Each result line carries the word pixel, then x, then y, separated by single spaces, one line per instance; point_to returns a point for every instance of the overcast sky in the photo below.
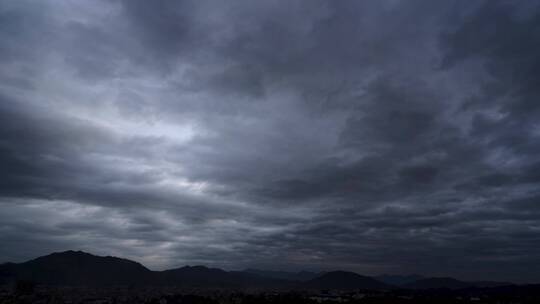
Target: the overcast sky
pixel 373 136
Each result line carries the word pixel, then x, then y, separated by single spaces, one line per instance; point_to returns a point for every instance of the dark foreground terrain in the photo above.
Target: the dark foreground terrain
pixel 25 293
pixel 79 277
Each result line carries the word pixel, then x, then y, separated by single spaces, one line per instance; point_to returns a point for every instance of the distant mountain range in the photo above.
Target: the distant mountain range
pixel 399 280
pixel 344 280
pixel 451 283
pixel 437 283
pixel 285 275
pixel 77 268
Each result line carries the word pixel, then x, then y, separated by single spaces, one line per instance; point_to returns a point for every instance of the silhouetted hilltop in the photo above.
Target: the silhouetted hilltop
pixel 451 283
pixel 438 283
pixel 490 284
pixel 399 280
pixel 201 276
pixel 344 280
pixel 78 268
pixel 284 275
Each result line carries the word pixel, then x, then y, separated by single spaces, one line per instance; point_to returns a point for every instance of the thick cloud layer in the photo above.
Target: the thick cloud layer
pixel 375 136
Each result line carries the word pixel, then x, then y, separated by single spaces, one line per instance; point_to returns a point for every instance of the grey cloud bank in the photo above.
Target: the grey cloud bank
pixel 375 136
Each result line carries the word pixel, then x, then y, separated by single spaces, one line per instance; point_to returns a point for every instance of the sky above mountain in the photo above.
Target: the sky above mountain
pixel 372 136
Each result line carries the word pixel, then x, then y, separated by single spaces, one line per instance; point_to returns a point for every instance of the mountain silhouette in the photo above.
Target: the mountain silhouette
pixel 202 276
pixel 344 280
pixel 78 268
pixel 399 280
pixel 490 284
pixel 284 275
pixel 451 283
pixel 438 283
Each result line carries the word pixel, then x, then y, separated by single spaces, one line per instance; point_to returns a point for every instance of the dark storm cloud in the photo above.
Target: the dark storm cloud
pixel 380 136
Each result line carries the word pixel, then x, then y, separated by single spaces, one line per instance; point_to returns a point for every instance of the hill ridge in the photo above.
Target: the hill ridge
pixel 76 267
